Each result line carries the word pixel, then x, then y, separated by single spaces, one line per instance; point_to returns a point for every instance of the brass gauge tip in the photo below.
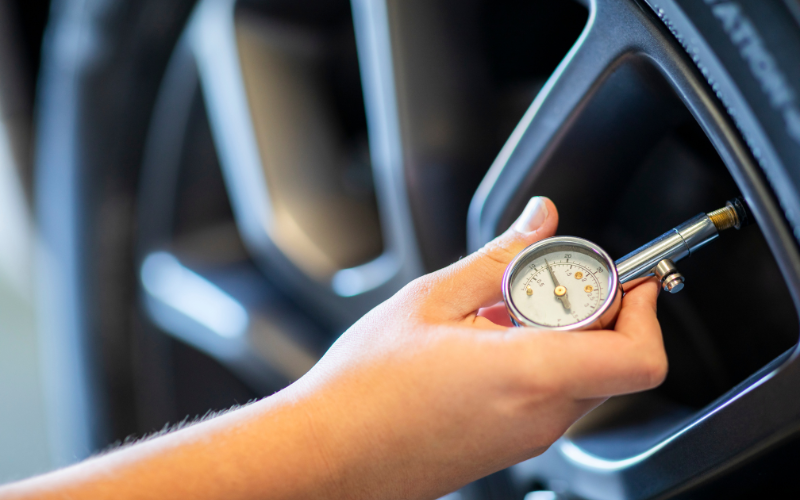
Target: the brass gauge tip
pixel 724 218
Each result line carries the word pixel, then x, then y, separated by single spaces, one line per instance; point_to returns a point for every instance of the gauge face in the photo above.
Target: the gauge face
pixel 560 282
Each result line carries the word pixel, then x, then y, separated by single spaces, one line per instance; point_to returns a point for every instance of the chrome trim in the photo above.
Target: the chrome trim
pixel 74 420
pixel 256 345
pixel 348 293
pixel 373 39
pixel 603 316
pixel 673 245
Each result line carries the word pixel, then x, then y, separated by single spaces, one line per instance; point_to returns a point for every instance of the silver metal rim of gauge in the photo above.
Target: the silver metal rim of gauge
pixel 613 291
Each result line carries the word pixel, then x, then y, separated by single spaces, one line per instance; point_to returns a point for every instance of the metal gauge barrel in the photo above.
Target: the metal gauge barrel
pixel 568 283
pixel 562 283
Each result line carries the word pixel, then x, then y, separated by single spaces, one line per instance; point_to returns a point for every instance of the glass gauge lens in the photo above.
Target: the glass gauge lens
pixel 560 284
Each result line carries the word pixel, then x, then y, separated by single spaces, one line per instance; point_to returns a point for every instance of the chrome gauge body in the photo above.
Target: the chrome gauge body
pixel 568 283
pixel 562 283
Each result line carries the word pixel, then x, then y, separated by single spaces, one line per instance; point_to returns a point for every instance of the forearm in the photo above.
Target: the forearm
pixel 305 442
pixel 266 450
pixel 419 397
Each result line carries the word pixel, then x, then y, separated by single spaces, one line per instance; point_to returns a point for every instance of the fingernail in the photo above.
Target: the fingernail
pixel 532 217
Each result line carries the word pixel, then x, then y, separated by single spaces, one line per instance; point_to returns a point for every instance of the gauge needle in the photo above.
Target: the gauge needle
pixel 561 292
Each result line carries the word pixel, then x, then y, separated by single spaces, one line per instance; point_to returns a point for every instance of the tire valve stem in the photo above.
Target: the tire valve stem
pixel 724 218
pixel 733 214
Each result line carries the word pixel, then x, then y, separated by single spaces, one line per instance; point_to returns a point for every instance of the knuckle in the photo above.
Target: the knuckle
pixel 550 388
pixel 418 289
pixel 544 384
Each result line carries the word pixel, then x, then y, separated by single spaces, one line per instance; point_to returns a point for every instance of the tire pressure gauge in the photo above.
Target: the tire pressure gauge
pixel 568 283
pixel 562 283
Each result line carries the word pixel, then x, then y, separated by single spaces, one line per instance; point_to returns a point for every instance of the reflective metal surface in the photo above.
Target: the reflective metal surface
pixel 604 315
pixel 674 245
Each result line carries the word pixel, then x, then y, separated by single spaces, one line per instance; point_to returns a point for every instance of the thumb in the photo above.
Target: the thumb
pixel 474 282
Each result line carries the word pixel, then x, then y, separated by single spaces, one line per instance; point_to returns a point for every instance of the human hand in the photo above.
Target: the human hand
pixel 432 389
pixel 421 396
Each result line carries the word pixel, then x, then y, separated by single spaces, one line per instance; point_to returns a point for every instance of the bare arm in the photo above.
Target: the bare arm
pixel 422 395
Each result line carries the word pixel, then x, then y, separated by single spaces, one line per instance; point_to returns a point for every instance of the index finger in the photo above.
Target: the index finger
pixel 629 285
pixel 603 363
pixel 631 357
pixel 639 308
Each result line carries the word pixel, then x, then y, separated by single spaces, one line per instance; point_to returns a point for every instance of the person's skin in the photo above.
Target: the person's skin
pixel 421 396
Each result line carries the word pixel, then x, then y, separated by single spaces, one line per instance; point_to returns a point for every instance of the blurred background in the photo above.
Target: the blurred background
pixel 25 444
pixel 197 197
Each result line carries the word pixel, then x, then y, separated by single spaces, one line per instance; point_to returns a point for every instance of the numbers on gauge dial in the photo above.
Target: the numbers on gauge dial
pixel 560 287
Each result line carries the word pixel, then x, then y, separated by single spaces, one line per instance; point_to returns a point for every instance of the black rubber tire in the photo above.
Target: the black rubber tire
pixel 748 50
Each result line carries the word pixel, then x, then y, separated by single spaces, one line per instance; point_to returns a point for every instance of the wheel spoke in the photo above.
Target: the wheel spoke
pixel 256 337
pixel 596 108
pixel 278 172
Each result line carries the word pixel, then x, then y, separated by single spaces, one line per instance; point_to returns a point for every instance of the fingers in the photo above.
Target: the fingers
pixel 634 283
pixel 497 314
pixel 638 311
pixel 589 364
pixel 604 363
pixel 474 282
pixel 631 358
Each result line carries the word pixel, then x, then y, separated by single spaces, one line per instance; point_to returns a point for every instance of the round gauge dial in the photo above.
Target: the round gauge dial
pixel 559 283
